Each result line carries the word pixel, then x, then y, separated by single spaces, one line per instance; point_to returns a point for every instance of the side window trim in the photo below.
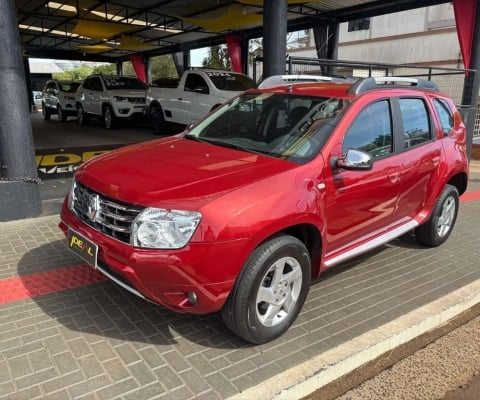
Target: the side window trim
pixel 399 133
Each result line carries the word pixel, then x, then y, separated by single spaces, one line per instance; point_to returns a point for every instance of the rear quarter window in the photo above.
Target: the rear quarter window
pixel 445 116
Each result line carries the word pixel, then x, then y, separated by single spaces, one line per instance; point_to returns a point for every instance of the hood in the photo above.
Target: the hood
pixel 128 92
pixel 175 172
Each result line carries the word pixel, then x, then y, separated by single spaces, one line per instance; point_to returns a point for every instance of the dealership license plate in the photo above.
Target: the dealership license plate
pixel 83 247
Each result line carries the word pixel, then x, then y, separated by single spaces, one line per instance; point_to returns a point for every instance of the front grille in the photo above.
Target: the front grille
pixel 105 215
pixel 137 100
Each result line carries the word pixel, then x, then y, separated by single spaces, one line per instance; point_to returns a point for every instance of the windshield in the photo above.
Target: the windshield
pixel 123 82
pixel 69 87
pixel 280 125
pixel 230 81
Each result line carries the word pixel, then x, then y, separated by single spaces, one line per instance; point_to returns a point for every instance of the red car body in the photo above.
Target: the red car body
pixel 245 198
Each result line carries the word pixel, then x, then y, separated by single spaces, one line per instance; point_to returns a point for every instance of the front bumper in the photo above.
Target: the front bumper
pixel 168 277
pixel 125 109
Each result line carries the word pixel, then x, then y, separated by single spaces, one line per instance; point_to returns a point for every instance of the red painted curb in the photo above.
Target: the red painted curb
pixel 33 285
pixel 470 196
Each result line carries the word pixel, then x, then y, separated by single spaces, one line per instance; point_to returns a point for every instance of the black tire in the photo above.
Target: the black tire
pixel 269 291
pixel 82 117
pixel 108 117
pixel 157 119
pixel 45 112
pixel 62 116
pixel 437 229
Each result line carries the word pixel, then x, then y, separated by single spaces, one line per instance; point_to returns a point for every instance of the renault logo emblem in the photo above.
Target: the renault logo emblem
pixel 93 207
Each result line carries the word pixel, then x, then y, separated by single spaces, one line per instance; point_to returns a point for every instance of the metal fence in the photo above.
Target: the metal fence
pixel 457 83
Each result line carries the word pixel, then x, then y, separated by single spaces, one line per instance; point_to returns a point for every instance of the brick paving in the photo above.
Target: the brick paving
pixel 96 341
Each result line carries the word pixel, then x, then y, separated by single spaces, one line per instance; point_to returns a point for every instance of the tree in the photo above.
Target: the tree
pixel 106 69
pixel 217 58
pixel 163 67
pixel 76 74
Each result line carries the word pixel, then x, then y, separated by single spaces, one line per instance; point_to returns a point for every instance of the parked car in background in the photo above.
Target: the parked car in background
pixel 110 97
pixel 238 213
pixel 194 95
pixel 59 98
pixel 37 99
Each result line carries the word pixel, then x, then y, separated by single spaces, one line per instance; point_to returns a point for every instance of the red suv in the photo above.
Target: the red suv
pixel 240 212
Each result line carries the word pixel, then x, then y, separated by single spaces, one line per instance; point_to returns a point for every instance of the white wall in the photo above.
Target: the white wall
pixel 423 35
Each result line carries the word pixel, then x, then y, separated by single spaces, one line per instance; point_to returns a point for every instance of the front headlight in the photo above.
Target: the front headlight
pixel 164 229
pixel 71 195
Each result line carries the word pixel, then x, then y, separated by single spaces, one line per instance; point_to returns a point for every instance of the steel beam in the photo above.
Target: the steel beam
pixel 274 37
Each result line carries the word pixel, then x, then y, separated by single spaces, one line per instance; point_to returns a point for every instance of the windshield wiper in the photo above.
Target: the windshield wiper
pixel 226 144
pixel 241 148
pixel 196 138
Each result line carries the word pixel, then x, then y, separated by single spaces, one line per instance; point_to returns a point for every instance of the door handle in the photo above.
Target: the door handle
pixel 395 177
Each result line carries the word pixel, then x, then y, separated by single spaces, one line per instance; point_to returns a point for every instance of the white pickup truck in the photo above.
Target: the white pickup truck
pixel 187 100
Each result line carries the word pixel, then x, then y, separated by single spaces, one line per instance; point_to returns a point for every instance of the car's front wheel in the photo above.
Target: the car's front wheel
pixel 62 116
pixel 45 112
pixel 440 224
pixel 82 117
pixel 270 290
pixel 156 117
pixel 108 117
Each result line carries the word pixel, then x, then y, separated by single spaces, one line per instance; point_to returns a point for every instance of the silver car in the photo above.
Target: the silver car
pixel 59 99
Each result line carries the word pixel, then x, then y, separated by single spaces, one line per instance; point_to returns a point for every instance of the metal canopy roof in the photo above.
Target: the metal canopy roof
pixel 112 30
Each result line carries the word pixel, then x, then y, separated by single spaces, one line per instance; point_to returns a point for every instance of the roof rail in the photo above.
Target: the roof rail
pixel 370 83
pixel 277 80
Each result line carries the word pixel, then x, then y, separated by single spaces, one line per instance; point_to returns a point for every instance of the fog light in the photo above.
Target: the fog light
pixel 192 297
pixel 123 110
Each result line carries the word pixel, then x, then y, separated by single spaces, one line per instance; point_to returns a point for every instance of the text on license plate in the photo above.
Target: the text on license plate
pixel 83 247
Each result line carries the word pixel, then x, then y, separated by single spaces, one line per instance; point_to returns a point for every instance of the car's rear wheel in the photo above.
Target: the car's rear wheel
pixel 108 117
pixel 270 290
pixel 82 117
pixel 45 112
pixel 61 114
pixel 440 224
pixel 157 120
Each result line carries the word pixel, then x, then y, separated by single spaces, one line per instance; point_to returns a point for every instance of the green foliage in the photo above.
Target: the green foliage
pixel 163 67
pixel 76 74
pixel 105 69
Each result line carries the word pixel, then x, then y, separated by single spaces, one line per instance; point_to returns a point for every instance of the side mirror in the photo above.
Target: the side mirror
pixel 354 159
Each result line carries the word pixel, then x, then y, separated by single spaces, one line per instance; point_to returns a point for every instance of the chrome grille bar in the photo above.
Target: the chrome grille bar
pixel 112 218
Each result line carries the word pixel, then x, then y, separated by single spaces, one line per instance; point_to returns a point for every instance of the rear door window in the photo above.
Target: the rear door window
pixel 415 122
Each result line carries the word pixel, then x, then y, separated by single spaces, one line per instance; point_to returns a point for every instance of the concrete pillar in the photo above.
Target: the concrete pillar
pixel 19 190
pixel 274 37
pixel 119 65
